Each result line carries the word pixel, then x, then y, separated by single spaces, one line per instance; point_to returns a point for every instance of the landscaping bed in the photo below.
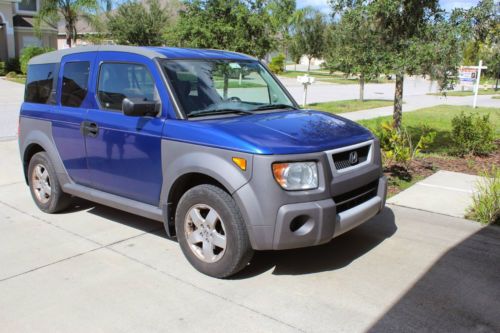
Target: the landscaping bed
pixel 439 154
pixel 427 164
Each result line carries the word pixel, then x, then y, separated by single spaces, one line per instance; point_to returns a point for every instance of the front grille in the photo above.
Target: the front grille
pixel 342 160
pixel 356 197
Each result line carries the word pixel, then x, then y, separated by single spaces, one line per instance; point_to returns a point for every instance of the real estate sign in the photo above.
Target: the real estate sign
pixel 467 75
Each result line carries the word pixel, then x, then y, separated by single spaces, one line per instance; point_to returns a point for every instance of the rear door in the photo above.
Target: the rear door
pixel 73 100
pixel 124 153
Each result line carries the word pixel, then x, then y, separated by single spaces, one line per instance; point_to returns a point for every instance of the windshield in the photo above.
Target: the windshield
pixel 210 87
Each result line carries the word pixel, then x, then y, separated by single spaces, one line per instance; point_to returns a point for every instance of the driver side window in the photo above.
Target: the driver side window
pixel 119 81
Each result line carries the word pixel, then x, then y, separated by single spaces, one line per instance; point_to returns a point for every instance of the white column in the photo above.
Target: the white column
pixel 9 36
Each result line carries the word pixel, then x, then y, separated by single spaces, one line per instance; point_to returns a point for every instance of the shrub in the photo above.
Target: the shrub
pixel 472 134
pixel 277 65
pixel 30 52
pixel 2 68
pixel 486 200
pixel 11 75
pixel 397 146
pixel 12 65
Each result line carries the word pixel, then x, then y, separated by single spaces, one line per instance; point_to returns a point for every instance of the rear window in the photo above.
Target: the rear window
pixel 39 83
pixel 75 82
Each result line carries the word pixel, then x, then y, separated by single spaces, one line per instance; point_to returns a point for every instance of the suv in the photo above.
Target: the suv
pixel 208 142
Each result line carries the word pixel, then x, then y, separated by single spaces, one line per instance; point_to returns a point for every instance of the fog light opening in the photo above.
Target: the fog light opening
pixel 301 224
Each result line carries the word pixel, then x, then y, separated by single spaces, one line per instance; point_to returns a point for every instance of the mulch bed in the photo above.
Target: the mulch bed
pixel 426 166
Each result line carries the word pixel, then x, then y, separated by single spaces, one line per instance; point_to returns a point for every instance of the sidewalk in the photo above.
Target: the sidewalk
pixel 445 192
pixel 414 103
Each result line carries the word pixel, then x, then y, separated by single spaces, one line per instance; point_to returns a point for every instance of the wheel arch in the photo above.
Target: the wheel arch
pixel 181 185
pixel 29 152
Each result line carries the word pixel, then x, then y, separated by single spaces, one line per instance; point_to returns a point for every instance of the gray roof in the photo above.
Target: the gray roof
pixel 56 56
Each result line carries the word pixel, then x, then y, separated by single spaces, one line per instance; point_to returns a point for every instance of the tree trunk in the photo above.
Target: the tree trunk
pixel 398 101
pixel 226 84
pixel 309 64
pixel 362 87
pixel 68 40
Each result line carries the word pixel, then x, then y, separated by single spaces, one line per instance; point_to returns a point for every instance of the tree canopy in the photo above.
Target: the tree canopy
pixel 135 23
pixel 235 25
pixel 353 47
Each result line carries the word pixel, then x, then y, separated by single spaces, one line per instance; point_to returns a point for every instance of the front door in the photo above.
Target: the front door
pixel 124 152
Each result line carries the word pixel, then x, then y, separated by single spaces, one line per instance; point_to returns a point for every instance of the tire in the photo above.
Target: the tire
pixel 44 185
pixel 205 216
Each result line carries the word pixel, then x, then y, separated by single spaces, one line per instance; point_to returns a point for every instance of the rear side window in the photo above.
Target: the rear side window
pixel 119 81
pixel 75 83
pixel 39 83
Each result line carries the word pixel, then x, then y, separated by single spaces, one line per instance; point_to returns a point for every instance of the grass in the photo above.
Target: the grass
pixel 235 84
pixel 437 118
pixel 485 206
pixel 325 76
pixel 20 79
pixel 350 105
pixel 468 92
pixel 496 97
pixel 403 184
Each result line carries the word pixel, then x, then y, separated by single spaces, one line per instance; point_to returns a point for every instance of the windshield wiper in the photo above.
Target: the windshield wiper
pixel 274 106
pixel 217 111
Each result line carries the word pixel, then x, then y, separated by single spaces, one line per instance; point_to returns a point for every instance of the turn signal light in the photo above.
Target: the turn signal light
pixel 240 162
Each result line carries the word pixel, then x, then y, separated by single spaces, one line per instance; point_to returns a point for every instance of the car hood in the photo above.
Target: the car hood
pixel 283 132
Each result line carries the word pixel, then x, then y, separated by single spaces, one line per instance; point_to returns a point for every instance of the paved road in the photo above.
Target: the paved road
pixel 11 95
pixel 96 269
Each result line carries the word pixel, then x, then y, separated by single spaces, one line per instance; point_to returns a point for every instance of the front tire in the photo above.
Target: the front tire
pixel 44 186
pixel 211 231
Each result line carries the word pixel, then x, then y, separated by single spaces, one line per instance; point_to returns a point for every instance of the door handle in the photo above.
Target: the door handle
pixel 89 128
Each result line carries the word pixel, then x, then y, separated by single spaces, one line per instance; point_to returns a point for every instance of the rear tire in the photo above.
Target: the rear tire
pixel 44 185
pixel 211 231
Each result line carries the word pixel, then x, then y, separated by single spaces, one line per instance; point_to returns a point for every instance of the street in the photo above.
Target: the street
pixel 94 268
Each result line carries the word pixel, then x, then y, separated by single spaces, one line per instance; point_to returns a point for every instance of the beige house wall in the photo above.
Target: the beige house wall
pixel 26 37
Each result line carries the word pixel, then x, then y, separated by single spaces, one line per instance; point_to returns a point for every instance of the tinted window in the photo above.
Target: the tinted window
pixel 39 83
pixel 119 81
pixel 75 81
pixel 28 5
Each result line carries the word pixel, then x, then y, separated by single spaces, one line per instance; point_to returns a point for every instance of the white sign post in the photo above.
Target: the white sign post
pixel 476 90
pixel 306 81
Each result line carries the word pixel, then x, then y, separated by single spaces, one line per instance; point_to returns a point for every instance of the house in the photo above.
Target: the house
pixel 17 31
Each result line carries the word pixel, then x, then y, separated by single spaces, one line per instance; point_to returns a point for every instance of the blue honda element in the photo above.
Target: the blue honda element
pixel 208 142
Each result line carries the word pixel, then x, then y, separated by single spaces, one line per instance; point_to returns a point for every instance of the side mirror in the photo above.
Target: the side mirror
pixel 138 107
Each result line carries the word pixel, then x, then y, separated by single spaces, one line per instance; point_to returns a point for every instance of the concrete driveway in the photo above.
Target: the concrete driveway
pixel 96 269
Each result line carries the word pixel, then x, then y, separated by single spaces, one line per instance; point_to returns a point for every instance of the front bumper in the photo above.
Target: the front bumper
pixel 314 223
pixel 278 219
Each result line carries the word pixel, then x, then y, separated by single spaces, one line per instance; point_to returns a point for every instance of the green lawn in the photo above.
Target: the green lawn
pixel 325 76
pixel 234 83
pixel 439 119
pixel 350 105
pixel 21 80
pixel 496 97
pixel 468 93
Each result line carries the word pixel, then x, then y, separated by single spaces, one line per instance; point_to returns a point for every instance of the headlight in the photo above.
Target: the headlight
pixel 297 175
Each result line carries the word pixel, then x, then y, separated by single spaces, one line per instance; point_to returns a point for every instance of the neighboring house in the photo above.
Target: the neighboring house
pixel 86 34
pixel 16 28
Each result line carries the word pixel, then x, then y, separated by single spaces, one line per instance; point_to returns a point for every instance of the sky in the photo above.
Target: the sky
pixel 445 4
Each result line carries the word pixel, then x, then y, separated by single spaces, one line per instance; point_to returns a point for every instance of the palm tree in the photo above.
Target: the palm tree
pixel 70 11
